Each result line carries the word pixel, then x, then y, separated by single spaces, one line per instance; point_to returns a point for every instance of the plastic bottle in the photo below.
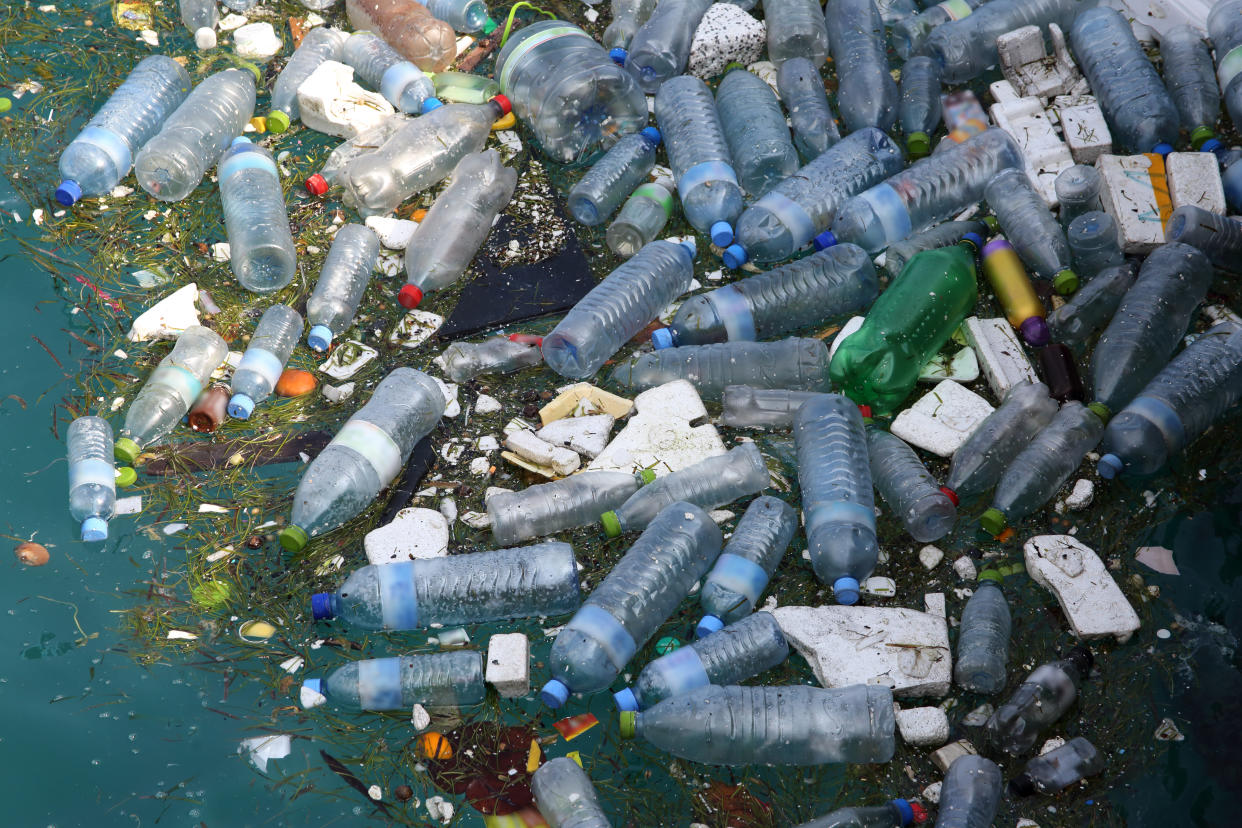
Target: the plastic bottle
pixel 562 504
pixel 908 488
pixel 1094 243
pixel 171 389
pixel 200 17
pixel 811 118
pixel 1091 307
pixel 618 307
pixel 1031 229
pixel 1060 372
pixel 822 288
pixel 641 219
pixel 466 16
pixel 345 152
pixel 262 253
pixel 966 47
pixel 1014 291
pixel 379 66
pixel 742 571
pixel 1224 25
pixel 867 94
pixel 1149 323
pixel 409 28
pixel 1180 403
pixel 736 725
pixel 745 406
pixel 971 790
pixel 880 362
pixel 435 680
pixel 928 192
pixel 318 45
pixel 626 165
pixel 92 476
pixel 567 90
pixel 800 364
pixel 1059 768
pixel 910 35
pixel 796 30
pixel 1078 191
pixel 1043 465
pixel 755 129
pixel 1140 113
pixel 473 588
pixel 1218 237
pixel 364 456
pixel 838 506
pixel 919 109
pixel 708 483
pixel 456 226
pixel 983 638
pixel 735 653
pixel 979 462
pixel 418 155
pixel 964 118
pixel 945 234
pixel 566 797
pixel 1191 81
pixel 627 17
pixel 894 814
pixel 661 46
pixel 786 219
pixel 463 361
pixel 268 351
pixel 698 153
pixel 1231 179
pixel 631 603
pixel 101 155
pixel 464 87
pixel 171 164
pixel 1042 698
pixel 342 281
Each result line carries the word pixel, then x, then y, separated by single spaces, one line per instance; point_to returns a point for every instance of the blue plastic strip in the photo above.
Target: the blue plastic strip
pixel 891 210
pixel 791 214
pixel 185 384
pixel 702 173
pixel 379 684
pixel 1164 417
pixel 605 630
pixel 397 78
pixel 398 598
pixel 111 143
pixel 740 575
pixel 264 363
pixel 95 472
pixel 840 512
pixel 248 159
pixel 683 671
pixel 733 309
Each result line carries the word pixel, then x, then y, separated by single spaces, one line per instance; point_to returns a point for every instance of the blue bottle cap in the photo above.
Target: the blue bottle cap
pixel 625 699
pixel 1212 145
pixel 651 134
pixel 94 529
pixel 734 256
pixel 907 813
pixel 315 684
pixel 707 625
pixel 240 139
pixel 845 590
pixel 321 606
pixel 722 234
pixel 661 338
pixel 1162 148
pixel 618 55
pixel 432 103
pixel 824 240
pixel 241 406
pixel 68 193
pixel 1110 466
pixel 319 338
pixel 554 693
pixel 690 244
pixel 975 239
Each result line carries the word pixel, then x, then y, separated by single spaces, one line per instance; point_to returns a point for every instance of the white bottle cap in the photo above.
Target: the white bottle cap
pixel 205 38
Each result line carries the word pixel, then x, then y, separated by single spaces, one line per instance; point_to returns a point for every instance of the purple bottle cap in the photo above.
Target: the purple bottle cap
pixel 1035 331
pixel 994 245
pixel 321 606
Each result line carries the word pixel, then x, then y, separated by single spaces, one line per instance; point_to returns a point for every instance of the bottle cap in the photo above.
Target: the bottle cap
pixel 431 103
pixel 316 185
pixel 489 26
pixel 991 575
pixel 731 65
pixel 612 526
pixel 126 477
pixel 1022 785
pixel 824 240
pixel 68 193
pixel 1065 282
pixel 1162 148
pixel 690 244
pixel 205 38
pixel 918 143
pixel 94 529
pixel 1035 331
pixel 651 134
pixel 1212 145
pixel 845 590
pixel 707 625
pixel 662 338
pixel 993 521
pixel 241 406
pixel 647 476
pixel 734 256
pixel 314 685
pixel 903 808
pixel 864 410
pixel 240 139
pixel 126 450
pixel 5 104
pixel 618 55
pixel 950 494
pixel 625 699
pixel 722 234
pixel 920 813
pixel 667 644
pixel 974 240
pixel 294 538
pixel 319 338
pixel 629 724
pixel 1082 659
pixel 554 693
pixel 1110 466
pixel 277 121
pixel 321 606
pixel 1200 135
pixel 1100 410
pixel 409 296
pixel 505 106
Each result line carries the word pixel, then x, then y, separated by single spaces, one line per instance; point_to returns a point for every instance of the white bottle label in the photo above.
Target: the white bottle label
pixel 374 444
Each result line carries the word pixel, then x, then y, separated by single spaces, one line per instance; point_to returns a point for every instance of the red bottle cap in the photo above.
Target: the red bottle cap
pixel 950 494
pixel 864 410
pixel 409 296
pixel 505 106
pixel 316 185
pixel 920 813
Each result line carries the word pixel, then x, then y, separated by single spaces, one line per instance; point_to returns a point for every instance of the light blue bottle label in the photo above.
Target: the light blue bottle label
pixel 515 58
pixel 606 631
pixel 247 160
pixel 379 684
pixel 1164 418
pixel 702 173
pixel 737 574
pixel 396 78
pixel 840 512
pixel 108 141
pixel 398 598
pixel 683 671
pixel 733 309
pixel 179 380
pixel 263 363
pixel 92 472
pixel 790 213
pixel 374 444
pixel 891 210
pixel 956 9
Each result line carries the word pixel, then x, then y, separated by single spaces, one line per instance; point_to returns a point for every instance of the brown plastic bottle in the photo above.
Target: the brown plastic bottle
pixel 409 28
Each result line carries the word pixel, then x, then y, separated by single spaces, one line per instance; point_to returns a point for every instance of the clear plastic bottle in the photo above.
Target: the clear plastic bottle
pixel 708 483
pixel 472 588
pixel 102 154
pixel 456 226
pixel 745 406
pixel 787 363
pixel 562 504
pixel 738 725
pixel 787 218
pixel 1031 229
pixel 262 253
pixel 566 797
pixel 627 17
pixel 825 287
pixel 661 46
pixel 631 603
pixel 867 94
pixel 927 192
pixel 1191 81
pixel 735 653
pixel 364 456
pixel 92 476
pixel 171 164
pixel 1043 465
pixel 983 638
pixel 618 307
pixel 378 65
pixel 811 118
pixel 911 34
pixel 171 389
pixel 1218 237
pixel 1091 307
pixel 1059 768
pixel 980 461
pixel 626 165
pixel 345 152
pixel 463 361
pixel 945 234
pixel 419 155
pixel 409 28
pixel 200 18
pixel 838 506
pixel 268 351
pixel 435 680
pixel 342 281
pixel 641 219
pixel 742 571
pixel 1042 698
pixel 796 29
pixel 966 47
pixel 1180 403
pixel 567 89
pixel 1094 243
pixel 466 16
pixel 318 45
pixel 755 129
pixel 1014 291
pixel 908 488
pixel 698 153
pixel 895 814
pixel 971 790
pixel 1149 323
pixel 1140 113
pixel 919 109
pixel 1224 25
pixel 1078 191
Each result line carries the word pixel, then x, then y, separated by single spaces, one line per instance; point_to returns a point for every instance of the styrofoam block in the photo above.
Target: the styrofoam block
pixel 330 102
pixel 257 42
pixel 1194 179
pixel 903 649
pixel 414 533
pixel 167 318
pixel 1027 123
pixel 965 568
pixel 1028 66
pixel 923 726
pixel 508 664
pixel 1081 496
pixel 1135 193
pixel 1161 15
pixel 1087 593
pixel 393 233
pixel 529 447
pixel 934 604
pixel 487 405
pixel 942 418
pixel 660 435
pixel 1083 127
pixel 1001 356
pixel 951 752
pixel 726 33
pixel 930 556
pixel 585 435
pixel 879 587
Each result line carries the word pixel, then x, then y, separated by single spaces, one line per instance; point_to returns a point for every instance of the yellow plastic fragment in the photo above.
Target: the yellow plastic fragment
pixel 506 122
pixel 532 759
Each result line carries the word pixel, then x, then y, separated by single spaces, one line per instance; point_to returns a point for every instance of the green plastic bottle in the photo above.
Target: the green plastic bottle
pixel 879 364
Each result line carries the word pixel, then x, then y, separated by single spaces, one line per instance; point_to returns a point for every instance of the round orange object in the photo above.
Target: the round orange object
pixel 32 554
pixel 294 383
pixel 434 746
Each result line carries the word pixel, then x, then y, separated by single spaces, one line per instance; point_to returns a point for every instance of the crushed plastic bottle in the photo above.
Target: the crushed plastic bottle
pixel 755 130
pixel 1078 191
pixel 660 48
pixel 796 29
pixel 435 680
pixel 979 463
pixel 866 94
pixel 546 508
pixel 1041 700
pixel 1031 229
pixel 626 165
pixel 268 351
pixel 752 554
pixel 627 17
pixel 1191 81
pixel 920 107
pixel 1224 25
pixel 971 790
pixel 745 406
pixel 466 16
pixel 983 638
pixel 945 234
pixel 908 488
pixel 1094 243
pixel 966 47
pixel 800 364
pixel 1218 237
pixel 262 254
pixel 345 152
pixel 910 35
pixel 92 476
pixel 408 27
pixel 811 118
pixel 463 361
pixel 1056 770
pixel 894 814
pixel 342 281
pixel 1014 291
pixel 320 44
pixel 1091 307
pixel 402 84
pixel 641 219
pixel 565 795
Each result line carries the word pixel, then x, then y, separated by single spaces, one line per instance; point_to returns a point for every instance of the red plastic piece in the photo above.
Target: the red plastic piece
pixel 316 185
pixel 409 296
pixel 950 494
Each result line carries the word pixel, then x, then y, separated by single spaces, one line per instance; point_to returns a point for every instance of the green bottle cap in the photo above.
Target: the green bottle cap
pixel 126 450
pixel 5 104
pixel 294 538
pixel 992 223
pixel 667 644
pixel 612 526
pixel 1201 134
pixel 648 476
pixel 918 143
pixel 991 575
pixel 731 65
pixel 277 121
pixel 126 477
pixel 1065 282
pixel 993 521
pixel 629 721
pixel 1100 410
